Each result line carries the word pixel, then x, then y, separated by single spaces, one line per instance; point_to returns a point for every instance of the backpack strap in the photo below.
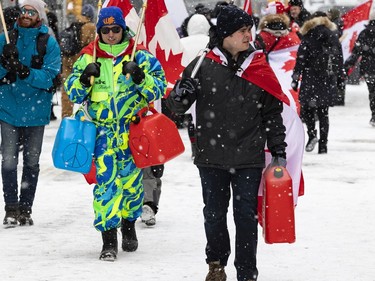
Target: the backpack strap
pixel 41 45
pixel 13 36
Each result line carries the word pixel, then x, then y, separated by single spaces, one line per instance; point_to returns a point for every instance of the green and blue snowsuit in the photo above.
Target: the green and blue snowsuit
pixel 111 103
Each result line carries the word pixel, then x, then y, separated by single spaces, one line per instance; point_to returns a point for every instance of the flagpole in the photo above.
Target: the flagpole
pixel 4 24
pixel 144 6
pixel 100 4
pixel 199 62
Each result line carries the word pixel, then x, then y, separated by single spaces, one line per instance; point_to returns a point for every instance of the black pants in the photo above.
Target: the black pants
pixel 216 190
pixel 312 114
pixel 370 81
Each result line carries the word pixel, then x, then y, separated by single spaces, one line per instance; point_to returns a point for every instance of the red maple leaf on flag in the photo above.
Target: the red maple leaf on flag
pixel 163 40
pixel 352 41
pixel 289 64
pixel 173 67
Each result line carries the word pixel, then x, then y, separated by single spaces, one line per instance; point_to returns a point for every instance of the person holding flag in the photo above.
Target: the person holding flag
pixel 121 88
pixel 364 48
pixel 238 110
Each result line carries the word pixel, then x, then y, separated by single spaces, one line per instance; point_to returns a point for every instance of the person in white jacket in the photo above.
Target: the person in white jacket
pixel 193 46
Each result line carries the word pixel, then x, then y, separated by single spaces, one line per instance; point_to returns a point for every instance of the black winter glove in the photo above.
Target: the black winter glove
pixel 184 87
pixel 10 51
pixel 158 171
pixel 15 66
pixel 294 85
pixel 92 69
pixel 130 67
pixel 278 161
pixel 9 78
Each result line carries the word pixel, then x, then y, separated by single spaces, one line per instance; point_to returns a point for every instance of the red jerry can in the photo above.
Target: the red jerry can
pixel 154 139
pixel 278 206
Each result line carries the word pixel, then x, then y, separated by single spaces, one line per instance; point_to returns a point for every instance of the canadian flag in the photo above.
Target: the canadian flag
pixel 247 7
pixel 163 40
pixel 354 23
pixel 158 35
pixel 282 60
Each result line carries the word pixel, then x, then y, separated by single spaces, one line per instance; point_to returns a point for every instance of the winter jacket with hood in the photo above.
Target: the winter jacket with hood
pixel 364 47
pixel 27 102
pixel 235 118
pixel 274 30
pixel 319 83
pixel 198 28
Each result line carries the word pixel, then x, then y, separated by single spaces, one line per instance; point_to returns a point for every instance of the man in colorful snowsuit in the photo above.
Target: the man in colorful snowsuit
pixel 235 117
pixel 121 88
pixel 25 107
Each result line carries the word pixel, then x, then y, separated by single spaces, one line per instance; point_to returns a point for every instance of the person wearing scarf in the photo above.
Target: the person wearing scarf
pixel 121 88
pixel 238 110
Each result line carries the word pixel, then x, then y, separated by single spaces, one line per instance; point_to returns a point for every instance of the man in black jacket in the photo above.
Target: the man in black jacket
pixel 235 119
pixel 364 47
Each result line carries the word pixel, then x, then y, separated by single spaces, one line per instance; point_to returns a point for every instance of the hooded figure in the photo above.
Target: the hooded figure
pixel 320 66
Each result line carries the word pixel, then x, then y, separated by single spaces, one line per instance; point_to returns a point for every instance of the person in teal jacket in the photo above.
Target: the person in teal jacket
pixel 120 89
pixel 25 106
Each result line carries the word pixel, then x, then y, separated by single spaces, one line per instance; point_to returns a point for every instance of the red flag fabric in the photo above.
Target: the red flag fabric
pixel 354 23
pixel 256 70
pixel 163 40
pixel 124 5
pixel 247 7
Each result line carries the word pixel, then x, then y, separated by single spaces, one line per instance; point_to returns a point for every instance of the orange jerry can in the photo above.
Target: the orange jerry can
pixel 278 206
pixel 154 139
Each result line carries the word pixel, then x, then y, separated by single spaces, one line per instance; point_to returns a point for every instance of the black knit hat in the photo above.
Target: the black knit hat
pixel 230 19
pixel 296 3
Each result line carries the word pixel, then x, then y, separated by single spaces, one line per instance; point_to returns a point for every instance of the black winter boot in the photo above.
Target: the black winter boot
pixel 110 247
pixel 11 216
pixel 24 217
pixel 322 149
pixel 313 140
pixel 129 236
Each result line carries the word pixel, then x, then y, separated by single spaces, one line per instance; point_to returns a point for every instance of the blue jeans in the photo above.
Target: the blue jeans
pixel 32 139
pixel 216 195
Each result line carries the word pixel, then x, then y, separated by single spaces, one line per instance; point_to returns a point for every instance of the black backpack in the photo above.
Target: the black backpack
pixel 70 39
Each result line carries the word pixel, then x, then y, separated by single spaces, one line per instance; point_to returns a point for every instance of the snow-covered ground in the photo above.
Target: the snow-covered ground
pixel 335 219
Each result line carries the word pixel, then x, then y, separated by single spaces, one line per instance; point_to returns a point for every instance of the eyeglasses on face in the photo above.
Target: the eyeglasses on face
pixel 114 29
pixel 30 13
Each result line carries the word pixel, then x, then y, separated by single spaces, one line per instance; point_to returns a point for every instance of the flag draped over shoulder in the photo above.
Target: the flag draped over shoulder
pixel 282 60
pixel 354 22
pixel 274 77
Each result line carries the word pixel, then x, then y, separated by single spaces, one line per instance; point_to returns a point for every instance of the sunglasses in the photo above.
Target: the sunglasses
pixel 30 13
pixel 114 29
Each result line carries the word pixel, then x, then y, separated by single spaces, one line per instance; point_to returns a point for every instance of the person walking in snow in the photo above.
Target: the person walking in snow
pixel 112 101
pixel 235 118
pixel 364 48
pixel 319 65
pixel 152 190
pixel 87 35
pixel 194 44
pixel 25 106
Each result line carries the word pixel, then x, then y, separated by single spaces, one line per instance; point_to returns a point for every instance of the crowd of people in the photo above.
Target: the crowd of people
pixel 113 83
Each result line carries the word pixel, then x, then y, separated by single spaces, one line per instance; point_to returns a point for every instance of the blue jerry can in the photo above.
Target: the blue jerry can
pixel 74 145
